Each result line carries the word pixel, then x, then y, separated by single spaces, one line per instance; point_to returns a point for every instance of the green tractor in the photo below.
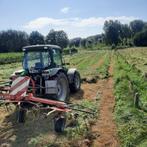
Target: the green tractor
pixel 44 64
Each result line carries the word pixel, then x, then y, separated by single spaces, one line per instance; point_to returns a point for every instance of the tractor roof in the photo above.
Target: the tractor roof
pixel 40 47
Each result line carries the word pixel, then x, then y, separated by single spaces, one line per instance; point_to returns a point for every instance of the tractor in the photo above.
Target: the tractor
pixel 43 83
pixel 44 64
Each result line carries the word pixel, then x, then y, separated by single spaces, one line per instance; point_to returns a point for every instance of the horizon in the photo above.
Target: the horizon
pixel 76 18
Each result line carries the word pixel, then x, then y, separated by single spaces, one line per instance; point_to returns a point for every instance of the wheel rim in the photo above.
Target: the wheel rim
pixel 62 90
pixel 77 81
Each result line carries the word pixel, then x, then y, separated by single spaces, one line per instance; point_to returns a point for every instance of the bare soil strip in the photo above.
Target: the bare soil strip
pixel 105 127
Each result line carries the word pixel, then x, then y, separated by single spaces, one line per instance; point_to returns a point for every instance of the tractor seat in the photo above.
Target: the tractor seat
pixel 38 65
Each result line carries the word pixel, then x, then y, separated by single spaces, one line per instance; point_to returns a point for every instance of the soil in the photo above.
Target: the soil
pixel 105 127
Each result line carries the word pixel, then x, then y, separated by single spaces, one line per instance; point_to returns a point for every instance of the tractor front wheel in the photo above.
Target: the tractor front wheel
pixel 76 84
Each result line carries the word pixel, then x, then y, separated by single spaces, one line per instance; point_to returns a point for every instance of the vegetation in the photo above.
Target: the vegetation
pixel 136 57
pixel 12 40
pixel 36 38
pixel 8 58
pixel 129 71
pixel 131 118
pixel 57 38
pixel 140 39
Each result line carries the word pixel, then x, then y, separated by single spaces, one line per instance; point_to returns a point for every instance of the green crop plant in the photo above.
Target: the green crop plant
pixel 131 121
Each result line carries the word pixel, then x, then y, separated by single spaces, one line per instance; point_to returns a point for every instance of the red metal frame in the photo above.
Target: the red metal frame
pixel 55 105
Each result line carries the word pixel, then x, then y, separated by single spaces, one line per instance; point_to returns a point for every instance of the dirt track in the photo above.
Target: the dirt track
pixel 105 126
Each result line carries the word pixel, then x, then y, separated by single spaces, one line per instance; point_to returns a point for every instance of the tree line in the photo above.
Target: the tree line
pixel 115 34
pixel 13 41
pixel 131 34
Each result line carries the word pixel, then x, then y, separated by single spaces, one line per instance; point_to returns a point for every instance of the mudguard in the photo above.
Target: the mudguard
pixel 70 74
pixel 54 71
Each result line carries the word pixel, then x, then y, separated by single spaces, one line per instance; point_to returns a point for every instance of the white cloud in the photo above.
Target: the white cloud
pixel 65 10
pixel 76 26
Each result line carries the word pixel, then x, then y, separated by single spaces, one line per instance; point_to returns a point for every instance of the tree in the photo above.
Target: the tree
pixel 59 38
pixel 83 42
pixel 36 38
pixel 12 40
pixel 140 39
pixel 75 42
pixel 125 31
pixel 112 32
pixel 136 26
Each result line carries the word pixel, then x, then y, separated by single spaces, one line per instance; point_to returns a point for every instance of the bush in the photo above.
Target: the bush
pixel 140 39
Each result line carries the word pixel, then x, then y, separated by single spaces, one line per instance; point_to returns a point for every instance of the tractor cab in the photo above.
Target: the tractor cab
pixel 42 57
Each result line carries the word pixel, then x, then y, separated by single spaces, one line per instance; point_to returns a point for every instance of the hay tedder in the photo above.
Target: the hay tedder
pixel 44 83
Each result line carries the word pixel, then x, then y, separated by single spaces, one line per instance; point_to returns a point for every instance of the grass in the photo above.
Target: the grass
pixel 131 121
pixel 136 57
pixel 87 62
pixel 7 69
pixel 8 58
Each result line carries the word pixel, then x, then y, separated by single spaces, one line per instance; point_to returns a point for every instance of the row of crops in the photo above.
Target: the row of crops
pixel 7 58
pixel 131 99
pixel 90 63
pixel 136 57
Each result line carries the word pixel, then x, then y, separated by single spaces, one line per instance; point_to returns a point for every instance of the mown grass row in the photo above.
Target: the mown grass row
pixel 7 69
pixel 103 68
pixel 131 121
pixel 87 62
pixel 137 57
pixel 7 58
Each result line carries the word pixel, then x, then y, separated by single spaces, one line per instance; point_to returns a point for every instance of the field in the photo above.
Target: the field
pixel 111 79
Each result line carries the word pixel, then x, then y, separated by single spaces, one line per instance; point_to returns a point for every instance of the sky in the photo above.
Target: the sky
pixel 78 18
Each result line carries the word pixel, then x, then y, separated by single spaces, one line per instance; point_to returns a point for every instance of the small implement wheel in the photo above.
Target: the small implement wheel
pixel 75 86
pixel 21 115
pixel 59 124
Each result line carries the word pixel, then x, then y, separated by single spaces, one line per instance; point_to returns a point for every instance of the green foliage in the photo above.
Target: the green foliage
pixel 103 69
pixel 130 120
pixel 112 31
pixel 86 62
pixel 140 39
pixel 7 58
pixel 59 38
pixel 12 40
pixel 36 38
pixel 136 26
pixel 136 57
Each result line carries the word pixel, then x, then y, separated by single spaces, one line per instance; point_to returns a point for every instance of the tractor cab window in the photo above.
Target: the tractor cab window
pixel 57 57
pixel 36 60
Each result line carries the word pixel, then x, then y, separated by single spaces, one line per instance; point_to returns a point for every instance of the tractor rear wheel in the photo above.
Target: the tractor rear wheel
pixel 75 86
pixel 62 87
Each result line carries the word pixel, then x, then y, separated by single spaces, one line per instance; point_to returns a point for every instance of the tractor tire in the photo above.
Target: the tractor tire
pixel 76 85
pixel 59 124
pixel 62 87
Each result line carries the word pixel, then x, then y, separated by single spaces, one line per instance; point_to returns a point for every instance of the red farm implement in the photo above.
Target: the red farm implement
pixel 19 94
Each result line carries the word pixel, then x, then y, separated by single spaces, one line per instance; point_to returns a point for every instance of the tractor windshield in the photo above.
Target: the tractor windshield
pixel 36 60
